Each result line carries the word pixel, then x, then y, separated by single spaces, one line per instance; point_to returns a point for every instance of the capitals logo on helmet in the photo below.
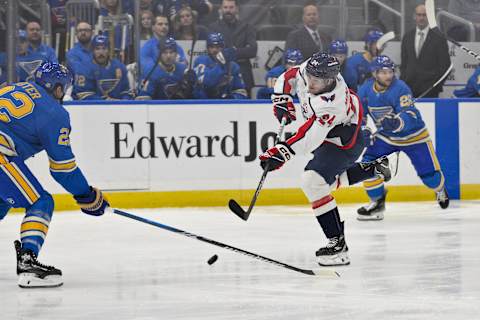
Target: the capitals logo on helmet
pixel 50 75
pixel 323 65
pixel 167 43
pixel 293 56
pixel 382 62
pixel 100 40
pixel 372 36
pixel 338 46
pixel 215 39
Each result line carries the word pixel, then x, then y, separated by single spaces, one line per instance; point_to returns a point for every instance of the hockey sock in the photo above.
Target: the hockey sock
pixel 330 223
pixel 375 188
pixel 35 224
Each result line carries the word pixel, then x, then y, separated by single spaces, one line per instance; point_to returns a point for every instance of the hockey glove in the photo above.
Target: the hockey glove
pixel 275 157
pixel 368 137
pixel 283 107
pixel 92 203
pixel 392 123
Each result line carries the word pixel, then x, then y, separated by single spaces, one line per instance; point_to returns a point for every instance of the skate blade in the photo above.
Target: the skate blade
pixel 340 259
pixel 373 217
pixel 30 280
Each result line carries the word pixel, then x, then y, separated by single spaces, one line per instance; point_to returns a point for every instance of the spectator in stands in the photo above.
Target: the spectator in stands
pixel 240 38
pixel 168 80
pixel 291 58
pixel 425 57
pixel 149 54
pixel 472 89
pixel 339 49
pixel 170 8
pixel 308 39
pixel 34 37
pixel 110 7
pixel 147 21
pixel 469 10
pixel 81 53
pixel 357 67
pixel 59 27
pixel 103 78
pixel 185 26
pixel 218 75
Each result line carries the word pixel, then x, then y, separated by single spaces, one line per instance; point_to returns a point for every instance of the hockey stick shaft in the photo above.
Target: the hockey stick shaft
pixel 222 245
pixel 234 206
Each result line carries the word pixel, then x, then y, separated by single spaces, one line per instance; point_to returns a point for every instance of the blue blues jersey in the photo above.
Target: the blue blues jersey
pixel 45 51
pixel 397 100
pixel 96 82
pixel 215 82
pixel 270 79
pixel 78 57
pixel 162 83
pixel 32 121
pixel 472 89
pixel 357 70
pixel 27 64
pixel 149 55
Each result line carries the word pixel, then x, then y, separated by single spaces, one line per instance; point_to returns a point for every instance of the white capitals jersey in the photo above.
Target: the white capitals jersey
pixel 332 117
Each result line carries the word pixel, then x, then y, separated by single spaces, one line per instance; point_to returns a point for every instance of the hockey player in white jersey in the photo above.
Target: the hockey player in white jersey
pixel 332 133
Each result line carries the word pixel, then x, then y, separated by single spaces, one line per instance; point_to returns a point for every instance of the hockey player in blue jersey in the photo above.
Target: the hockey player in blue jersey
pixel 32 120
pixel 472 89
pixel 388 101
pixel 357 67
pixel 218 74
pixel 291 58
pixel 169 79
pixel 339 49
pixel 103 78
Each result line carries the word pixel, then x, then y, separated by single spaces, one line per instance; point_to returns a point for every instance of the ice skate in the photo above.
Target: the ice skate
pixel 33 274
pixel 387 166
pixel 442 198
pixel 372 211
pixel 335 253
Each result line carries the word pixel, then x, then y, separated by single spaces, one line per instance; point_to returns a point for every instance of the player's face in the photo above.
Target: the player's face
pixel 421 17
pixel 310 16
pixel 384 77
pixel 100 54
pixel 186 18
pixel 168 57
pixel 372 48
pixel 214 49
pixel 84 32
pixel 340 57
pixel 318 85
pixel 160 28
pixel 229 10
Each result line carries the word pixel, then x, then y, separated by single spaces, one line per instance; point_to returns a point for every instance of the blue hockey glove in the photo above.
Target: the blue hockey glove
pixel 275 157
pixel 392 123
pixel 92 203
pixel 368 136
pixel 283 107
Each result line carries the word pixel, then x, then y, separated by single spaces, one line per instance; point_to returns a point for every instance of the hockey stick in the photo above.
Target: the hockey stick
pixel 324 272
pixel 432 21
pixel 234 206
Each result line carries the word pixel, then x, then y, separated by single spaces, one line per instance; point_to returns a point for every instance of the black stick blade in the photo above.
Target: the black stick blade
pixel 238 210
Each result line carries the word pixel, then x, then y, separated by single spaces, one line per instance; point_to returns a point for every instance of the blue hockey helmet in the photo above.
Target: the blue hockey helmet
pixel 372 36
pixel 100 40
pixel 382 62
pixel 49 75
pixel 293 56
pixel 338 46
pixel 215 39
pixel 167 43
pixel 323 65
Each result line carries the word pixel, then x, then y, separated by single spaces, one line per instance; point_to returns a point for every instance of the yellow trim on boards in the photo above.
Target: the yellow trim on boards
pixel 218 198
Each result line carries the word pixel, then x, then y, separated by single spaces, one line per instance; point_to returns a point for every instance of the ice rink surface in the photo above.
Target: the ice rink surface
pixel 421 262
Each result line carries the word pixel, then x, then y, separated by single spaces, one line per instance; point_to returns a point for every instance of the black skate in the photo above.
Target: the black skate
pixel 33 274
pixel 334 254
pixel 386 166
pixel 442 198
pixel 372 211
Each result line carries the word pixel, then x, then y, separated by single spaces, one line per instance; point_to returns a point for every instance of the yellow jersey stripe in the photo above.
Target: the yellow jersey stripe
pixel 372 183
pixel 63 166
pixel 3 160
pixel 21 182
pixel 421 137
pixel 436 164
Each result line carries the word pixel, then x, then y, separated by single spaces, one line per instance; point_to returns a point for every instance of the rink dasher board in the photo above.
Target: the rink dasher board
pixel 207 152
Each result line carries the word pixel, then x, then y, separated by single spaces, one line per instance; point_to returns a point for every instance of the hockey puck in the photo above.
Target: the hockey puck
pixel 212 259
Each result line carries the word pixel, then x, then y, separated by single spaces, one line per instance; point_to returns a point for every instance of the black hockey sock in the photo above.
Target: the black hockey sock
pixel 330 223
pixel 360 172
